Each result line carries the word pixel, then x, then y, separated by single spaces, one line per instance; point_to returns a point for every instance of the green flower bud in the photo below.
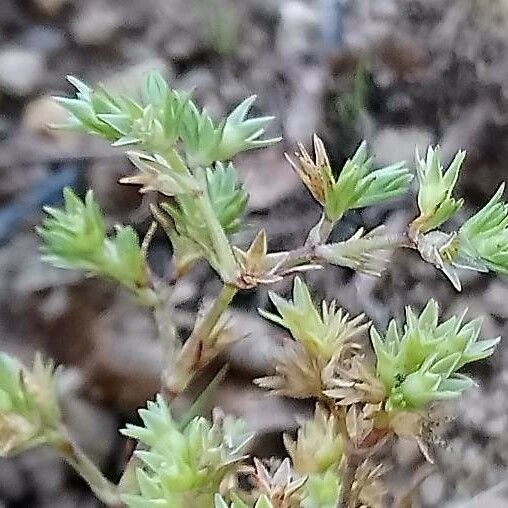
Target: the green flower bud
pixel 321 490
pixel 484 237
pixel 205 143
pixel 75 235
pixel 261 502
pixel 228 197
pixel 206 219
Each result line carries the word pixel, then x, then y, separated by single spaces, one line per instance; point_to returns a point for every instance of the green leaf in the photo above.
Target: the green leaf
pixel 227 196
pixel 29 412
pixel 154 89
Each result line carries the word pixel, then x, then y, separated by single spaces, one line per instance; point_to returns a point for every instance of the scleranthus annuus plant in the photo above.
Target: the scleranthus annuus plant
pixel 184 158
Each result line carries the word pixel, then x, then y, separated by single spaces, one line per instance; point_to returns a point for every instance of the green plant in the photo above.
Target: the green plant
pixel 184 157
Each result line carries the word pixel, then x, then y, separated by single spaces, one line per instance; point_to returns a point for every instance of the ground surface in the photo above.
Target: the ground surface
pixel 424 73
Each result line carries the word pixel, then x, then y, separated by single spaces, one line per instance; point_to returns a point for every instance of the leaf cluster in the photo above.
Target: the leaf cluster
pixel 29 412
pixel 163 117
pixel 420 363
pixel 75 237
pixel 436 185
pixel 358 184
pixel 182 465
pixel 323 332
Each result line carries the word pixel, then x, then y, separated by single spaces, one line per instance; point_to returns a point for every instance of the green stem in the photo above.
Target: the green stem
pixel 320 232
pixel 226 263
pixel 106 491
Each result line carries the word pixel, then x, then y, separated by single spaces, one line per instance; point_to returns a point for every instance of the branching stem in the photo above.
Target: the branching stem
pixel 310 253
pixel 208 322
pixel 179 373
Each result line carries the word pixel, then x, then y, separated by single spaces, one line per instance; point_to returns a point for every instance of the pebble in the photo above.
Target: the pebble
pixel 433 489
pixel 95 24
pixel 21 70
pixel 43 112
pixel 391 144
pixel 44 38
pixel 128 79
pixel 298 30
pixel 46 470
pixel 12 486
pixel 406 452
pixel 496 298
pixel 93 428
pixel 50 7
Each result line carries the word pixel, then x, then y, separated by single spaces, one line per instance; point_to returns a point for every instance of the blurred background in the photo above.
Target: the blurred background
pixel 398 73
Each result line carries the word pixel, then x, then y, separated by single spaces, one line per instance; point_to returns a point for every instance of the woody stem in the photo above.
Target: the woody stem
pixel 352 461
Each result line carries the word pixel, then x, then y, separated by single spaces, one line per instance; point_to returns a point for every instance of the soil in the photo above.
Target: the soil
pixel 398 73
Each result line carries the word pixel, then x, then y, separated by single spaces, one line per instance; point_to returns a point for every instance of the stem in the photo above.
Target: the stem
pixel 128 481
pixel 320 232
pixel 226 263
pixel 180 371
pixel 319 254
pixel 203 331
pixel 106 491
pixel 166 330
pixel 347 480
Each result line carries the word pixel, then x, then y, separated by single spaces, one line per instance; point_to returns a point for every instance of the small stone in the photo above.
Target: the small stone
pixel 12 483
pixel 255 353
pixel 50 7
pixel 21 70
pixel 43 112
pixel 433 489
pixel 496 298
pixel 199 79
pixel 387 10
pixel 298 30
pixel 181 46
pixel 258 168
pixel 304 109
pixel 95 24
pixel 406 452
pixel 92 427
pixel 497 426
pixel 46 470
pixel 128 80
pixel 43 38
pixel 392 144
